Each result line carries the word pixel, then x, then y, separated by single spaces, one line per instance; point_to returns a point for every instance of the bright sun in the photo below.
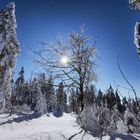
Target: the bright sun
pixel 64 60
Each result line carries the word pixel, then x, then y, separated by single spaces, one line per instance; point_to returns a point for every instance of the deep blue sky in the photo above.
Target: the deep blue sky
pixel 109 20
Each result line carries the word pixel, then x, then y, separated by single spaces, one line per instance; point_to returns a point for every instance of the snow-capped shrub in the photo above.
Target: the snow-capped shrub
pixel 88 120
pixel 115 117
pixel 103 119
pixel 121 127
pixel 130 120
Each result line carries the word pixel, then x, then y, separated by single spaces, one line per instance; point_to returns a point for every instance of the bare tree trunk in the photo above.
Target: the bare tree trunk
pixel 82 97
pixel 81 92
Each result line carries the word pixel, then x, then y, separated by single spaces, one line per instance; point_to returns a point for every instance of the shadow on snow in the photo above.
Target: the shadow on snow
pixel 21 118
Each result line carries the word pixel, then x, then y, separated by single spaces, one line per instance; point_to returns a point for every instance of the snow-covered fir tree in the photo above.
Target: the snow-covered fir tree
pixel 61 99
pixel 50 95
pixel 99 97
pixel 134 4
pixel 21 90
pixel 18 89
pixel 34 91
pixel 73 101
pixel 60 96
pixel 20 79
pixel 48 91
pixel 90 96
pixel 9 48
pixel 41 106
pixel 65 102
pixel 118 102
pixel 124 103
pixel 111 99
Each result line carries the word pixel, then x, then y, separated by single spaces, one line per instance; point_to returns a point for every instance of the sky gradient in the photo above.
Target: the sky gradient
pixel 110 21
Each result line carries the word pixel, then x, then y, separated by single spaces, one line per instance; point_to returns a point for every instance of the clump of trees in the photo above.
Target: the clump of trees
pixel 39 94
pixel 104 112
pixel 109 114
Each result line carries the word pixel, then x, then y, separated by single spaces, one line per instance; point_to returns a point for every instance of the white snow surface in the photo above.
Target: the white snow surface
pixel 28 127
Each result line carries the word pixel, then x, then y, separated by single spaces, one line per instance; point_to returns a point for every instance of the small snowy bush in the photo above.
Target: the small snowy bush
pixel 130 120
pixel 88 120
pixel 121 127
pixel 103 119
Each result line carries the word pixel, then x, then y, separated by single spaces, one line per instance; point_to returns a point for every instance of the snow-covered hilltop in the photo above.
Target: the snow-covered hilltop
pixel 9 48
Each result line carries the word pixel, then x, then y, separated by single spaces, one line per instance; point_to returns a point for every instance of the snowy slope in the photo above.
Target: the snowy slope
pixel 21 127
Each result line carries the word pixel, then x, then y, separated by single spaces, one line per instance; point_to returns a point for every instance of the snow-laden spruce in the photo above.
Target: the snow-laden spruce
pixel 9 48
pixel 137 36
pixel 134 4
pixel 41 106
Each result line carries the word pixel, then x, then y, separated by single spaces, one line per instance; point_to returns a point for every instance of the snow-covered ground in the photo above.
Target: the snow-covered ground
pixel 29 127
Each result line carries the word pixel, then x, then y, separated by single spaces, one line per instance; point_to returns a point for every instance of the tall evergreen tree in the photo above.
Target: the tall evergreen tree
pixel 90 96
pixel 111 99
pixel 19 89
pixel 41 106
pixel 118 102
pixel 74 101
pixel 65 102
pixel 61 99
pixel 48 91
pixel 124 103
pixel 99 98
pixel 20 79
pixel 50 95
pixel 60 96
